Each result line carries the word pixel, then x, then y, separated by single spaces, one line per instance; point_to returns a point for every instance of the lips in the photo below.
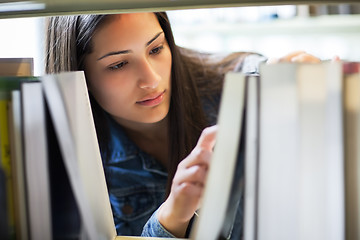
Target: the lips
pixel 152 99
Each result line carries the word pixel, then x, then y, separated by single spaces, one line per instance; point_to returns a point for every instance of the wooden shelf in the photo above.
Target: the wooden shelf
pixel 29 8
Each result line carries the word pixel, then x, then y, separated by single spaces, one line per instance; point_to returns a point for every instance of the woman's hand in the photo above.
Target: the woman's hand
pixel 296 57
pixel 299 57
pixel 188 185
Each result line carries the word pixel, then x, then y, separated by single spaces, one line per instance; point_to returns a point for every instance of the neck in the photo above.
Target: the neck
pixel 152 138
pixel 148 131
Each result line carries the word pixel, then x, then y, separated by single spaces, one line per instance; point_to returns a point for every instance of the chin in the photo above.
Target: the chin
pixel 156 118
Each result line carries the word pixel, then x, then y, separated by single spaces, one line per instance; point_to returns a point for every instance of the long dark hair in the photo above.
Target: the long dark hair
pixel 194 76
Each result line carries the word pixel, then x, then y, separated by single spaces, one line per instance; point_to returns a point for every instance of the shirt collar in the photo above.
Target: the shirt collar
pixel 124 149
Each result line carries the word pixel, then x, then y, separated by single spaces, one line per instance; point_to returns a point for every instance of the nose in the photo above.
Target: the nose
pixel 148 75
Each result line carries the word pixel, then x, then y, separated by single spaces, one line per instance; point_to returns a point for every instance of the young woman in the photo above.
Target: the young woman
pixel 154 107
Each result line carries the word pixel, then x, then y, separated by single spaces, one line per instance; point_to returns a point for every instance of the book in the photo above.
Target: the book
pixel 66 195
pixel 65 215
pixel 5 159
pixel 300 134
pixel 49 209
pixel 234 165
pixel 7 85
pixel 243 193
pixel 321 151
pixel 11 67
pixel 301 188
pixel 16 67
pixel 52 210
pixel 251 161
pixel 4 226
pixel 216 215
pixel 36 161
pixel 17 165
pixel 67 97
pixel 278 134
pixel 351 90
pixel 68 104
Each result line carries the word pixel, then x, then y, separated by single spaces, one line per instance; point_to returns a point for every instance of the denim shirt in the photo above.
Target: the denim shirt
pixel 137 182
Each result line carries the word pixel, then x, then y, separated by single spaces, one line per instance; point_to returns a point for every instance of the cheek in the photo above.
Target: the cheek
pixel 164 66
pixel 111 94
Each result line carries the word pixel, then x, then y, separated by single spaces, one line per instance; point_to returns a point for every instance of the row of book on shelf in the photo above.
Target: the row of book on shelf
pixel 288 145
pixel 51 164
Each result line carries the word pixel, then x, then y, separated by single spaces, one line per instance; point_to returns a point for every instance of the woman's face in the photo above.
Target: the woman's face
pixel 129 70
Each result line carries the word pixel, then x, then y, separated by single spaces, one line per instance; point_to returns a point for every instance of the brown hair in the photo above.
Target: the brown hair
pixel 194 76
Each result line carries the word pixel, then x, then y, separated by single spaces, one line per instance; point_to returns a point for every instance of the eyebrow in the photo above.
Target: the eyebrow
pixel 128 51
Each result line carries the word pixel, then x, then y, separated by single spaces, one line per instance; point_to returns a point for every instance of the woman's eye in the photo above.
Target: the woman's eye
pixel 118 66
pixel 156 50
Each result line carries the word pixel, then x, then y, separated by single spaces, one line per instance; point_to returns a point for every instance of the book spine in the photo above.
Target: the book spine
pixel 351 82
pixel 4 227
pixel 6 162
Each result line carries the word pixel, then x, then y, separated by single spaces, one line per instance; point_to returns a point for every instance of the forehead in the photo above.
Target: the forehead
pixel 126 28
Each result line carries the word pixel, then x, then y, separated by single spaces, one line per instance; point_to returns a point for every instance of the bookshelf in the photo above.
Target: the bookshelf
pixel 28 8
pixel 334 34
pixel 14 9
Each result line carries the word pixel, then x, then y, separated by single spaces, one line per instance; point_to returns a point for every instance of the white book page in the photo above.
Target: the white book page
pixel 301 171
pixel 279 153
pixel 36 161
pixel 80 147
pixel 251 159
pixel 352 150
pixel 321 144
pixel 220 175
pixel 18 167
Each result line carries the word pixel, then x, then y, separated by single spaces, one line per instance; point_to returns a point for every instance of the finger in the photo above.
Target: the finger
pixel 195 174
pixel 288 57
pixel 207 138
pixel 305 58
pixel 198 156
pixel 201 154
pixel 188 191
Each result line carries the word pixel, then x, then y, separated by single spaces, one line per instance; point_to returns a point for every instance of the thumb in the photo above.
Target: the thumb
pixel 208 138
